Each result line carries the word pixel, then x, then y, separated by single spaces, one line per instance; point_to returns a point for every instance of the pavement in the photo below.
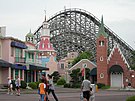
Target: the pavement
pixel 57 90
pixel 66 90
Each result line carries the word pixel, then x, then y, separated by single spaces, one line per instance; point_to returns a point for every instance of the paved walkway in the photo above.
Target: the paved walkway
pixel 65 90
pixel 57 90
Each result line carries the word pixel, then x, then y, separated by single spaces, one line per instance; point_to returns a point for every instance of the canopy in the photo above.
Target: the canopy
pixel 116 68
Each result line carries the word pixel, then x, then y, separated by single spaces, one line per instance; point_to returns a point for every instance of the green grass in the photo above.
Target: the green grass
pixel 132 98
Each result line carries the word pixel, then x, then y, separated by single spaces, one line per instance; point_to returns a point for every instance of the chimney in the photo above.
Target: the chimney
pixel 3 31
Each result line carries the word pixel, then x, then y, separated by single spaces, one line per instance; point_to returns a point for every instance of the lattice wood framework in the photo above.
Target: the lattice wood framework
pixel 76 30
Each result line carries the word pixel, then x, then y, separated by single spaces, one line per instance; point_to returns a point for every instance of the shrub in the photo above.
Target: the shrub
pixel 33 85
pixel 37 83
pixel 56 76
pixel 77 85
pixel 23 84
pixel 105 87
pixel 132 98
pixel 61 81
pixel 67 85
pixel 100 85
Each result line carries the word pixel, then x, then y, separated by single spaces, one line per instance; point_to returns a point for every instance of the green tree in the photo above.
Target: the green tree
pixel 83 55
pixel 75 75
pixel 56 76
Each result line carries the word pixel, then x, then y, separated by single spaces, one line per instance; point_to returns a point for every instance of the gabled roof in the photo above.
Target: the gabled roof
pixel 80 62
pixel 101 29
pixel 119 50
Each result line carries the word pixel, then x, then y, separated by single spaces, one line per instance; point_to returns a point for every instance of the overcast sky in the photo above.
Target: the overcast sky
pixel 19 16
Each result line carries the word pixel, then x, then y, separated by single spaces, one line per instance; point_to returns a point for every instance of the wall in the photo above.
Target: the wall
pixel 117 59
pixel 4 75
pixel 52 65
pixel 6 47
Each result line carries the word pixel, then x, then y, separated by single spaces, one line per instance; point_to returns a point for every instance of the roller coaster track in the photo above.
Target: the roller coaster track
pixel 75 30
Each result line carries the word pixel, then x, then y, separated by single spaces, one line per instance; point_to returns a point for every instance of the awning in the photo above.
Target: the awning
pixel 34 67
pixel 18 44
pixel 116 68
pixel 93 72
pixel 4 63
pixel 19 66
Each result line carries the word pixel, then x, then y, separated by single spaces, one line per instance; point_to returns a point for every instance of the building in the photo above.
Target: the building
pixel 33 63
pixel 112 69
pixel 48 54
pixel 12 51
pixel 85 63
pixel 66 63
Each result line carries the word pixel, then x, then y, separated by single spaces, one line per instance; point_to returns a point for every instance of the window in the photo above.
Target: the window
pixel 62 66
pixel 102 75
pixel 48 45
pixel 43 45
pixel 101 43
pixel 31 39
pixel 101 58
pixel 16 72
pixel 84 65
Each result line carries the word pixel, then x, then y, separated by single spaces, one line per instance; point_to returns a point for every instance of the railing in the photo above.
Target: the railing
pixel 19 60
pixel 32 61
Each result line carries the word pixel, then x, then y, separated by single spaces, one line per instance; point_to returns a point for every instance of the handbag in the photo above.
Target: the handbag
pixel 81 96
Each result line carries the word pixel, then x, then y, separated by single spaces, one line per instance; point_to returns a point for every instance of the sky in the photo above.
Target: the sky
pixel 19 16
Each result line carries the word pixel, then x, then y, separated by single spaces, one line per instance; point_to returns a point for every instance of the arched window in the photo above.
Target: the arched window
pixel 101 43
pixel 43 45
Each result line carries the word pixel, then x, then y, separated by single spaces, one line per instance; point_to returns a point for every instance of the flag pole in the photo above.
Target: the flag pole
pixel 84 74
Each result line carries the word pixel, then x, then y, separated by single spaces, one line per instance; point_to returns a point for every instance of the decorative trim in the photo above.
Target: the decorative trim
pixel 102 75
pixel 80 62
pixel 116 46
pixel 101 58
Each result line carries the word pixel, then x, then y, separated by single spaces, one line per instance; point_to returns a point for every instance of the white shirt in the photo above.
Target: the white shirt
pixel 51 84
pixel 9 82
pixel 86 84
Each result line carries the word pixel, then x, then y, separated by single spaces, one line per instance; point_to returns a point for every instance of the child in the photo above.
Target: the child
pixel 42 90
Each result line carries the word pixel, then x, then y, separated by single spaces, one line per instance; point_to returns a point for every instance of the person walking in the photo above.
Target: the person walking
pixel 10 86
pixel 85 88
pixel 18 84
pixel 47 86
pixel 42 90
pixel 51 87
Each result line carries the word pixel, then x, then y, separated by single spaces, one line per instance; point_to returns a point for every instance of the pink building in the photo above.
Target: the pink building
pixel 11 50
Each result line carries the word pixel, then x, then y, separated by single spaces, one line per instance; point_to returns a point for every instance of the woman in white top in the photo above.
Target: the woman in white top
pixel 18 84
pixel 10 86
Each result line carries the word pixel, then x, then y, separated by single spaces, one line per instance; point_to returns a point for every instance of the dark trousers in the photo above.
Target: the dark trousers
pixel 53 93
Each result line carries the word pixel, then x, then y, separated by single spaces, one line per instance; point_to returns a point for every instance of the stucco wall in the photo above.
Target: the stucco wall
pixel 6 50
pixel 52 65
